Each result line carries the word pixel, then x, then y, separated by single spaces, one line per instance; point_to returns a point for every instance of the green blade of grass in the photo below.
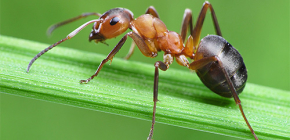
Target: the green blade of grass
pixel 126 88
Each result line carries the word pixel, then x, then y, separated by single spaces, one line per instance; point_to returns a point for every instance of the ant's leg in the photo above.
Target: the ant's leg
pixel 53 27
pixel 138 40
pixel 195 33
pixel 150 10
pixel 131 50
pixel 204 61
pixel 187 20
pixel 199 23
pixel 168 58
pixel 109 57
pixel 236 97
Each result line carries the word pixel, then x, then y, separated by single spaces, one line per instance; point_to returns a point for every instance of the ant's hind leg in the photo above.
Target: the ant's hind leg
pixel 204 61
pixel 236 97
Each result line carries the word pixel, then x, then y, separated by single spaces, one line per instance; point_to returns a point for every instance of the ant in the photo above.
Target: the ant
pixel 217 63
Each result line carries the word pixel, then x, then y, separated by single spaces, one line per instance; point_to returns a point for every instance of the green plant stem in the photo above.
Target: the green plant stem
pixel 125 88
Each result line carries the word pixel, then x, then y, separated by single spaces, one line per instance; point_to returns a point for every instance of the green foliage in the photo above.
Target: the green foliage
pixel 125 88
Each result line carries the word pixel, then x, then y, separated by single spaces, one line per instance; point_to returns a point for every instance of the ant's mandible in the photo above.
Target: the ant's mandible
pixel 217 63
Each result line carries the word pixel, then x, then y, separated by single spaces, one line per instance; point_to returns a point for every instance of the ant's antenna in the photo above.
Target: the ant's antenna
pixel 69 36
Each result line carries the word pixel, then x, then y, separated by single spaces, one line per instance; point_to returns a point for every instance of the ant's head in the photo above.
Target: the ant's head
pixel 111 24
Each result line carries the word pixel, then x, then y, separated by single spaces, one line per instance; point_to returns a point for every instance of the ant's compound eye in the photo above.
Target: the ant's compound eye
pixel 114 20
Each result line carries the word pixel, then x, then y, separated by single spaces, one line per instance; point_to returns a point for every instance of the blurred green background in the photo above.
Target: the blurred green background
pixel 258 29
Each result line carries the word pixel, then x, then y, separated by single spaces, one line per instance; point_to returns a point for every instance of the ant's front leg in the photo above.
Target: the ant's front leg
pixel 137 39
pixel 150 10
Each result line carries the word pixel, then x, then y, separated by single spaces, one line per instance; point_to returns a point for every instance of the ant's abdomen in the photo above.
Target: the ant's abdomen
pixel 212 75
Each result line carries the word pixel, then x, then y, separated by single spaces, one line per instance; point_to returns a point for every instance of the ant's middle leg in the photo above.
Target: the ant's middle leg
pixel 168 59
pixel 187 20
pixel 195 33
pixel 150 10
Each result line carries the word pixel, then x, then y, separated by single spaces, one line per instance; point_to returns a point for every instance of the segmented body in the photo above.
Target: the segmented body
pixel 211 74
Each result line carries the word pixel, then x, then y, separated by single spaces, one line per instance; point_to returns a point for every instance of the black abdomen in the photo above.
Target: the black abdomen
pixel 211 74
